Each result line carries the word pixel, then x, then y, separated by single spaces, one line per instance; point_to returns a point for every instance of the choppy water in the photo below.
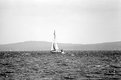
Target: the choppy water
pixel 82 65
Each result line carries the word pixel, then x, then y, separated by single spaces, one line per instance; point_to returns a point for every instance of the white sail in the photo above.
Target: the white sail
pixel 54 46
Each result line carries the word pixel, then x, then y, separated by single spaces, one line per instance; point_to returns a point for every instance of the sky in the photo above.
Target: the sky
pixel 75 21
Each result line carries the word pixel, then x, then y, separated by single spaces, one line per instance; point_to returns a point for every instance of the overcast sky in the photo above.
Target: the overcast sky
pixel 75 21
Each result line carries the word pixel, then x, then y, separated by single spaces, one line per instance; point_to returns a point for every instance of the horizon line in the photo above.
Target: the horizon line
pixel 61 42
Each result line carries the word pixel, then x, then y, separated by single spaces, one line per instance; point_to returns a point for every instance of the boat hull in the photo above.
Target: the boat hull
pixel 55 52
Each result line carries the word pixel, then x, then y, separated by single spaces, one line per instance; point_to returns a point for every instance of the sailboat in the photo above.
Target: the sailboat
pixel 54 47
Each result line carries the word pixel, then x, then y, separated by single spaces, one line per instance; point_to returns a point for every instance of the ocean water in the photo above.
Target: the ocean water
pixel 74 65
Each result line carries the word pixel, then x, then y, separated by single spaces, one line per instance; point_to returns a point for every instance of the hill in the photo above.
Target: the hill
pixel 42 45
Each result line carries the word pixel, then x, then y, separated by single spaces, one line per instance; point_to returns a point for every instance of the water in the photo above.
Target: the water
pixel 74 65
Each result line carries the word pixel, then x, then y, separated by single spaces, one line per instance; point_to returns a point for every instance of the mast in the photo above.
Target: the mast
pixel 54 46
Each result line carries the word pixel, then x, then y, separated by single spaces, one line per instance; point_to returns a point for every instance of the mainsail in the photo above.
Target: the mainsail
pixel 54 46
